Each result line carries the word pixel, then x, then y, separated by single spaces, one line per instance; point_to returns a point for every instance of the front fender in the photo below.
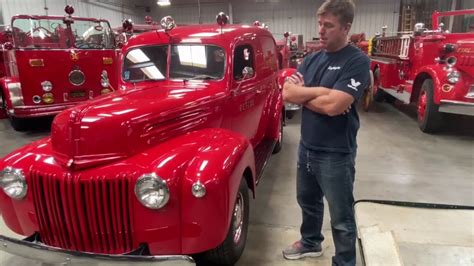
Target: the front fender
pixel 219 164
pixel 435 72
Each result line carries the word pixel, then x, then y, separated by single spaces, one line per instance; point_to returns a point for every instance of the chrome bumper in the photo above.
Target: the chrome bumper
pixel 457 107
pixel 31 248
pixel 26 111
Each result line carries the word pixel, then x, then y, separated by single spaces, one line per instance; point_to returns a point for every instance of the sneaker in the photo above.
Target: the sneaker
pixel 298 251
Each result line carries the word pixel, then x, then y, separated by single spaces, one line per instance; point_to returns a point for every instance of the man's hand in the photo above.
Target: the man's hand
pixel 296 79
pixel 347 110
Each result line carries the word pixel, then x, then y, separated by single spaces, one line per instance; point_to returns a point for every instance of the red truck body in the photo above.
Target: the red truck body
pixel 432 68
pixel 50 63
pixel 184 130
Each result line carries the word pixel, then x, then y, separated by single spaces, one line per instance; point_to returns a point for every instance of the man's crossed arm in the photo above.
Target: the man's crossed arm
pixel 318 99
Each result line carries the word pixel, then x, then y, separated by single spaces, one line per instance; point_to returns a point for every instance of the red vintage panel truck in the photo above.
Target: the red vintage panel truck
pixel 161 169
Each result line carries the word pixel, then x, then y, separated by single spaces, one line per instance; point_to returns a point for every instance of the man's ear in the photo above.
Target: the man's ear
pixel 348 27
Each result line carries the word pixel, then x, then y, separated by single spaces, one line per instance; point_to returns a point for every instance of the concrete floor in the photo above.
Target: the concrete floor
pixel 395 161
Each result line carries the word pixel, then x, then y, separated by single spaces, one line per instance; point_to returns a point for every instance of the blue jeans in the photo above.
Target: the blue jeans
pixel 329 174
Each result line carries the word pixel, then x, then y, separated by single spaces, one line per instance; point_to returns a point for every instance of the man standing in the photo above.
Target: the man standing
pixel 328 84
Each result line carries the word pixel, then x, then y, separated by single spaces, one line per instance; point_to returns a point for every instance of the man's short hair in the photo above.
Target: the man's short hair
pixel 343 9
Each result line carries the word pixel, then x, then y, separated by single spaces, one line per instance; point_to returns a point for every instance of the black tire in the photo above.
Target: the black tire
pixel 229 252
pixel 3 105
pixel 18 124
pixel 368 97
pixel 429 117
pixel 379 95
pixel 389 98
pixel 279 143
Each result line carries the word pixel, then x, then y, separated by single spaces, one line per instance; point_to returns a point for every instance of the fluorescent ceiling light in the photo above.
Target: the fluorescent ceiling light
pixel 163 2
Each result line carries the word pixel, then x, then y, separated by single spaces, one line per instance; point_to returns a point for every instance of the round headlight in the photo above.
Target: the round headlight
pixel 47 85
pixel 451 61
pixel 152 191
pixel 453 77
pixel 13 183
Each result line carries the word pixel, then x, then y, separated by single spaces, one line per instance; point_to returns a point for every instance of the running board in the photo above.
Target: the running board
pixel 263 151
pixel 402 96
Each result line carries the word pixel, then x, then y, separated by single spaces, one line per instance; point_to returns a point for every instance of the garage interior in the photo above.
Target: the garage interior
pixel 395 160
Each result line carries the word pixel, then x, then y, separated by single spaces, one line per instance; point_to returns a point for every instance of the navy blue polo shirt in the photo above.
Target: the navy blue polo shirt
pixel 346 70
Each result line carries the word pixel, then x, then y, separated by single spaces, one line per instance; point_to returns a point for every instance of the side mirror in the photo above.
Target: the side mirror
pixel 247 73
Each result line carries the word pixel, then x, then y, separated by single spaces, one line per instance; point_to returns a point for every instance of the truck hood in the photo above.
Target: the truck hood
pixel 127 122
pixel 465 55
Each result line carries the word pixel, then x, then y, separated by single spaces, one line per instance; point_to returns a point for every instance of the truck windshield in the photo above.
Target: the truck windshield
pixel 145 63
pixel 200 62
pixel 187 62
pixel 54 34
pixel 458 24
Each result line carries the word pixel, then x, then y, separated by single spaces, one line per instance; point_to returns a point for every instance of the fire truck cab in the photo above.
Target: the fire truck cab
pixel 432 68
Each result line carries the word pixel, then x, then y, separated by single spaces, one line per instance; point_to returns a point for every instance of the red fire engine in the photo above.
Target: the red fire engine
pixel 129 29
pixel 433 68
pixel 50 63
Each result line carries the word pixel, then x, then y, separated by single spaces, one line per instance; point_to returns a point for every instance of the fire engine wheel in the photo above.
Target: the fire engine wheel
pixel 279 143
pixel 3 104
pixel 379 95
pixel 18 124
pixel 429 118
pixel 368 97
pixel 229 252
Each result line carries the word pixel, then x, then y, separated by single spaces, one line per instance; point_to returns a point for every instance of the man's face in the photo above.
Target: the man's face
pixel 332 34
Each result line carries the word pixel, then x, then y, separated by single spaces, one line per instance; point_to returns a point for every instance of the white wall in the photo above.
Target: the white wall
pixel 296 16
pixel 112 10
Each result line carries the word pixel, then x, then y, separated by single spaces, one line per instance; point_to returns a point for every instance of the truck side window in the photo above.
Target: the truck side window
pixel 243 57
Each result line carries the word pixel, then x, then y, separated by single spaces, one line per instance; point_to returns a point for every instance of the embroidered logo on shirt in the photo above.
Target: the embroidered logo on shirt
pixel 334 67
pixel 354 84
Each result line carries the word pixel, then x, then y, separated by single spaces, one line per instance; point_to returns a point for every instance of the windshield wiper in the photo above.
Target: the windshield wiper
pixel 203 77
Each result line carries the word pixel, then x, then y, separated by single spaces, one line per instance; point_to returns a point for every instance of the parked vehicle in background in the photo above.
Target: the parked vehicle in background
pixel 50 63
pixel 285 59
pixel 129 29
pixel 162 169
pixel 432 68
pixel 358 40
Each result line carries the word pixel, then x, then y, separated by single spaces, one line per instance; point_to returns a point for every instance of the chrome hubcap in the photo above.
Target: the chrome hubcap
pixel 238 218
